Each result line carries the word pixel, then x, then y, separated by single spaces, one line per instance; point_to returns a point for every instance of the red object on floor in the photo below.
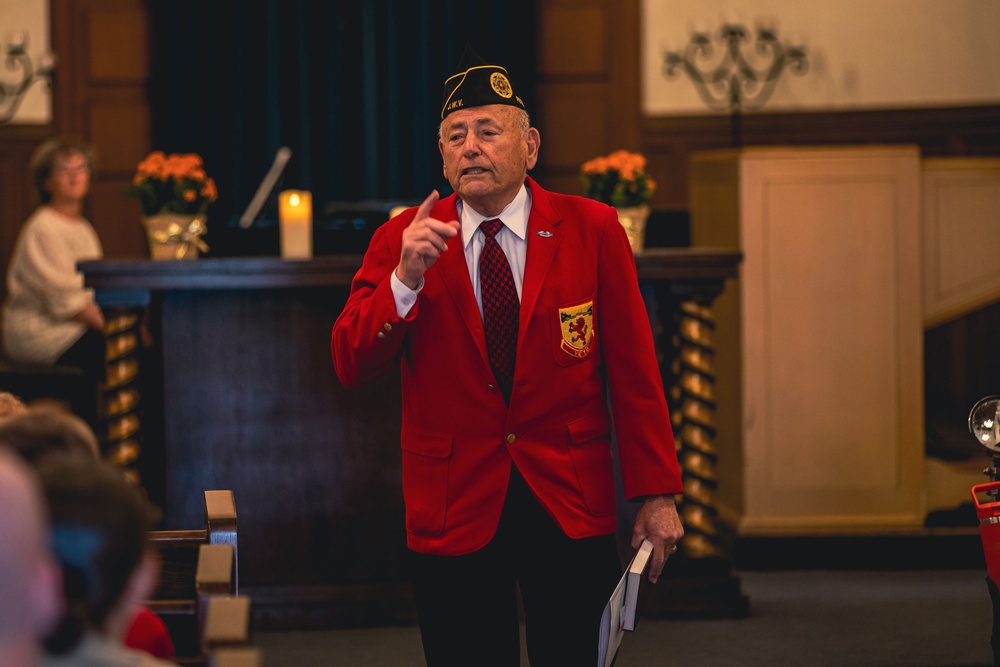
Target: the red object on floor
pixel 989 527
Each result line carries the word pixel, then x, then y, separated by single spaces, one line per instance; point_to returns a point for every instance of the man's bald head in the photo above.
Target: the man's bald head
pixel 29 581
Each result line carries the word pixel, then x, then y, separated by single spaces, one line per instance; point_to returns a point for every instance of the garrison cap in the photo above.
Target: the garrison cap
pixel 477 84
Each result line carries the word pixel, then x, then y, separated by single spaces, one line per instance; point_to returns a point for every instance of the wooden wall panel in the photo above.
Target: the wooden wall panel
pixel 118 122
pixel 572 41
pixel 588 85
pixel 16 191
pixel 117 219
pixel 102 49
pixel 573 124
pixel 126 57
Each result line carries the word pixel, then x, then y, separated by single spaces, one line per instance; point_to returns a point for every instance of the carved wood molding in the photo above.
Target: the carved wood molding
pixel 945 131
pixel 669 141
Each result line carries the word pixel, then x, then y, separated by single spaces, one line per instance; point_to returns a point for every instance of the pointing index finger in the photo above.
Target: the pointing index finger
pixel 425 208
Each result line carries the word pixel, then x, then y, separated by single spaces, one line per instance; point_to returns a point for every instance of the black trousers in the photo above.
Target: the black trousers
pixel 467 605
pixel 88 353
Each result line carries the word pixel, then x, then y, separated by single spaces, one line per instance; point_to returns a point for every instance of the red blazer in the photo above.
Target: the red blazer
pixel 583 328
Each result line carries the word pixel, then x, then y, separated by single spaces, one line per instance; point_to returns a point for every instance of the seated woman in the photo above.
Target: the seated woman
pixel 99 525
pixel 49 318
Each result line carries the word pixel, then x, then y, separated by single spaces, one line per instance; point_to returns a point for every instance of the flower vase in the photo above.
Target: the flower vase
pixel 174 235
pixel 633 219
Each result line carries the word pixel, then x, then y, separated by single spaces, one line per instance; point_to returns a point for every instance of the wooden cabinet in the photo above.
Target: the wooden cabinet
pixel 961 197
pixel 822 361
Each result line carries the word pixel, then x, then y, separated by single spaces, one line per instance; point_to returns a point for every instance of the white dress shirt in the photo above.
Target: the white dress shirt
pixel 512 238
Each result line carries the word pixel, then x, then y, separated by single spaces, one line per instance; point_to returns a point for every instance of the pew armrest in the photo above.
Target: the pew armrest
pixel 227 621
pixel 220 523
pixel 216 570
pixel 236 656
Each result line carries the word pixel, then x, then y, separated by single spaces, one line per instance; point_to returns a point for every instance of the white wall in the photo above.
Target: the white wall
pixel 31 18
pixel 863 54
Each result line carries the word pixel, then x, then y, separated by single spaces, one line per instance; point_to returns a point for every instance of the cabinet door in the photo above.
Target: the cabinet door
pixel 961 197
pixel 830 347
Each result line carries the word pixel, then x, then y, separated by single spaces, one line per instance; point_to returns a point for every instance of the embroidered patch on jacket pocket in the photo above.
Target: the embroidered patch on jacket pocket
pixel 577 326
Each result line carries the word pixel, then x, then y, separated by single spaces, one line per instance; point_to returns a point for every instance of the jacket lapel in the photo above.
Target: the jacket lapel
pixel 455 276
pixel 543 238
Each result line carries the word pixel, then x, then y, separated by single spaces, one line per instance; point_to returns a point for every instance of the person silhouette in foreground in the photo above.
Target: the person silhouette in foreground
pixel 43 431
pixel 30 585
pixel 100 525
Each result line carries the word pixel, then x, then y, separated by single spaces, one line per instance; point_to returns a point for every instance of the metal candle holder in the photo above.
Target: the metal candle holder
pixel 17 59
pixel 736 83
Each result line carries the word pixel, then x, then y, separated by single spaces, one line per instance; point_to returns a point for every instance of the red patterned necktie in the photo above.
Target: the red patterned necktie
pixel 500 307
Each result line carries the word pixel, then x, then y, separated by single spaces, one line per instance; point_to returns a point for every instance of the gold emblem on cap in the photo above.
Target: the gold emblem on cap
pixel 500 85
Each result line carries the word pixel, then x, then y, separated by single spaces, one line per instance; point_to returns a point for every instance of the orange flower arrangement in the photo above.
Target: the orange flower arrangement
pixel 175 183
pixel 618 179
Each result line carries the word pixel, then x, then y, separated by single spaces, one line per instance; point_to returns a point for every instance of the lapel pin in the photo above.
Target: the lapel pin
pixel 544 235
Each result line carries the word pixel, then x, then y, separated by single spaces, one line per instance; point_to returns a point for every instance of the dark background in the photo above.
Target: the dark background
pixel 359 108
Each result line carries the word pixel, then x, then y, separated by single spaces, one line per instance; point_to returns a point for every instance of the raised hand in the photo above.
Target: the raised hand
pixel 423 242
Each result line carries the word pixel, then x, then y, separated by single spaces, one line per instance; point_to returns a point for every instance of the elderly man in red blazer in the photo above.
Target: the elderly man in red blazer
pixel 508 474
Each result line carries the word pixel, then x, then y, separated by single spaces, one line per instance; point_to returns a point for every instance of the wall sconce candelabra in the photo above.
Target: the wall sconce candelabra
pixel 736 83
pixel 17 60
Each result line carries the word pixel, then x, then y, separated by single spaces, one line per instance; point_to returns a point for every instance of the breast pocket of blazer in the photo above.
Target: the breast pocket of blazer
pixel 574 331
pixel 426 462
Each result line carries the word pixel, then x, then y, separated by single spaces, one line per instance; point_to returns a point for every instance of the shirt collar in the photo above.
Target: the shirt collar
pixel 514 216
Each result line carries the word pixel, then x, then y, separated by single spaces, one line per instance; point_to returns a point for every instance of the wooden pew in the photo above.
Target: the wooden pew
pixel 227 622
pixel 196 564
pixel 223 618
pixel 236 656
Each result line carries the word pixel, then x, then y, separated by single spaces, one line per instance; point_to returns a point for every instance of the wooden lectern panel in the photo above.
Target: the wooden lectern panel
pixel 831 344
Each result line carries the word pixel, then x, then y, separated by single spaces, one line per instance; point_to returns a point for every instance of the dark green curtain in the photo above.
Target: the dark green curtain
pixel 353 88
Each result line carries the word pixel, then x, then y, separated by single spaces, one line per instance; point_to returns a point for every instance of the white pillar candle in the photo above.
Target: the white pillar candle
pixel 295 217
